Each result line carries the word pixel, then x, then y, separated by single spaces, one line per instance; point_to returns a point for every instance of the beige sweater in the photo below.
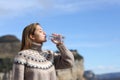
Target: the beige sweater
pixel 37 64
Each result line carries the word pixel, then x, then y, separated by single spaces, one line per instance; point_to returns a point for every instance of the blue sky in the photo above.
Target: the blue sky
pixel 90 26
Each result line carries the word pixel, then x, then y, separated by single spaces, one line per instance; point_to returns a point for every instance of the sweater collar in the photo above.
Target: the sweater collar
pixel 36 46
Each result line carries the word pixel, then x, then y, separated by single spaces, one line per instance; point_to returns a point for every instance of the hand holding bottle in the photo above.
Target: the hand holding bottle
pixel 56 38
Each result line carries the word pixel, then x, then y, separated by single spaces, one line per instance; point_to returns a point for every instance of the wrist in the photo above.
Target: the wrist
pixel 59 44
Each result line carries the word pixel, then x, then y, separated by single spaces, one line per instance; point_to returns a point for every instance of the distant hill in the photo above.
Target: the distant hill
pixel 8 38
pixel 9 46
pixel 89 75
pixel 109 76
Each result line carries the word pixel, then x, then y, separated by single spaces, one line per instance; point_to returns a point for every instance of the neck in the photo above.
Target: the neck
pixel 36 46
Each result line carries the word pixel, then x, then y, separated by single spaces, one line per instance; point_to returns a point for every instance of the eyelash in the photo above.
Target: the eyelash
pixel 40 31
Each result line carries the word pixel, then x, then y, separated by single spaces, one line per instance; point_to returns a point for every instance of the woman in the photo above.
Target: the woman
pixel 33 63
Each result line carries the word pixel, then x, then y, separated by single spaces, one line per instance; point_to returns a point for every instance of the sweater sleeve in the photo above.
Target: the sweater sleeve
pixel 63 60
pixel 18 67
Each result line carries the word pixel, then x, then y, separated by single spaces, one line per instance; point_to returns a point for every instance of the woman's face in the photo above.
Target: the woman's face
pixel 39 35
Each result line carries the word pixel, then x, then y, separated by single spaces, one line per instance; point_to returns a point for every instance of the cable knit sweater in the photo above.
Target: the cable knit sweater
pixel 37 64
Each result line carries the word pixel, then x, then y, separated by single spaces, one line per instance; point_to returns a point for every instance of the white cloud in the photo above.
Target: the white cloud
pixel 105 69
pixel 92 40
pixel 110 68
pixel 15 6
pixel 87 45
pixel 80 5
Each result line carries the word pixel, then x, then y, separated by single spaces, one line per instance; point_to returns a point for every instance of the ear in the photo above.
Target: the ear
pixel 32 37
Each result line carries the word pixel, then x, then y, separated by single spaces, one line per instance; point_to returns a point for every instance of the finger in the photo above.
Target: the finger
pixel 55 34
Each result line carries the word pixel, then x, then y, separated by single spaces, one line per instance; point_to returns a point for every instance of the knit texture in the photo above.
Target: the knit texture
pixel 37 64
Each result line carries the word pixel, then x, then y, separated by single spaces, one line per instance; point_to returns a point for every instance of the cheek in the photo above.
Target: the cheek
pixel 38 36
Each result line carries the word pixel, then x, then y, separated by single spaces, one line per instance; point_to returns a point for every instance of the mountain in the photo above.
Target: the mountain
pixel 109 76
pixel 8 38
pixel 89 75
pixel 9 46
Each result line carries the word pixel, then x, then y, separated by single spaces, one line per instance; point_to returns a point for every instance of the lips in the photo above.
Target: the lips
pixel 45 36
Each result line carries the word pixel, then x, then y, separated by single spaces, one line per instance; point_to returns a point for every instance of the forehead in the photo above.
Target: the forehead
pixel 38 27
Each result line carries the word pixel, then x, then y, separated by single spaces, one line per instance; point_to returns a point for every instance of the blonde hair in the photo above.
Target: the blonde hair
pixel 28 30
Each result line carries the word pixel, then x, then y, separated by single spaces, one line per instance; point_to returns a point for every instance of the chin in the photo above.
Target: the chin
pixel 45 41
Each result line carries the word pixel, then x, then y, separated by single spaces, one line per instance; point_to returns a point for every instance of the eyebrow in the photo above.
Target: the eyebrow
pixel 39 29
